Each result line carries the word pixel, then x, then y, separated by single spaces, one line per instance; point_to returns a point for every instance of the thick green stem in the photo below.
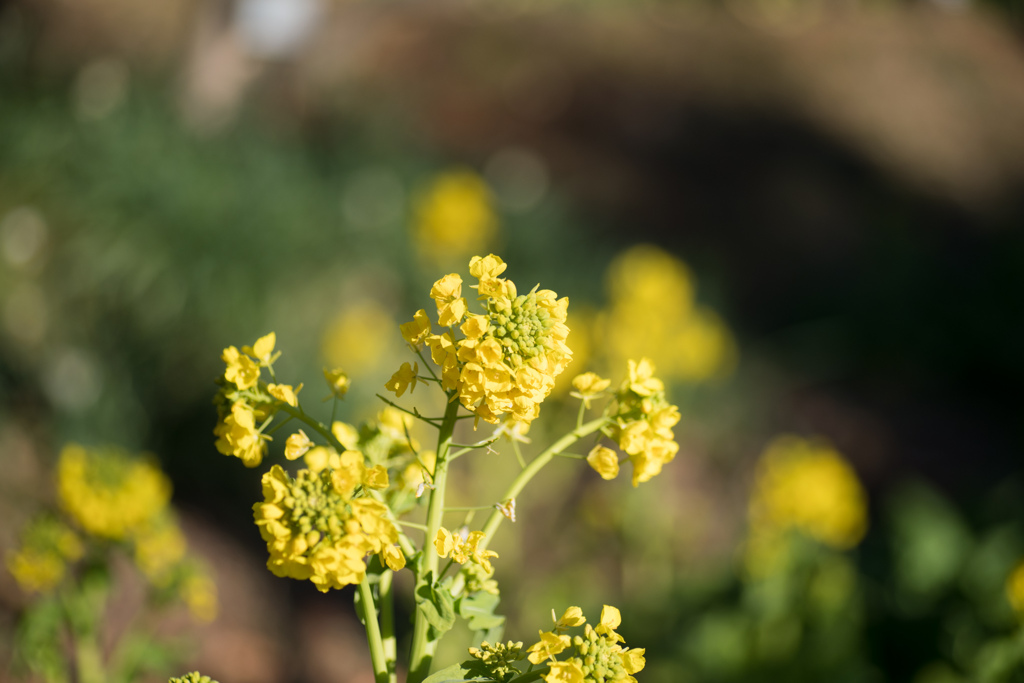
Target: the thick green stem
pixel 422 654
pixel 377 656
pixel 534 467
pixel 387 623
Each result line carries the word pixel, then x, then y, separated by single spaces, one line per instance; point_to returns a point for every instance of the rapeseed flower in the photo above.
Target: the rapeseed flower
pixel 317 528
pixel 238 435
pixel 598 655
pixel 462 550
pixel 160 547
pixel 193 677
pixel 1015 589
pixel 503 361
pixel 41 561
pixel 807 487
pixel 455 217
pixel 643 421
pixel 109 494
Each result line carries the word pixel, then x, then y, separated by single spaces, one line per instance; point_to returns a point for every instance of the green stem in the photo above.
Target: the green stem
pixel 387 623
pixel 377 655
pixel 315 425
pixel 536 466
pixel 422 654
pixel 531 675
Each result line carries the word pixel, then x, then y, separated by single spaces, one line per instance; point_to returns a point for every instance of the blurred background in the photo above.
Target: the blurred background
pixel 808 213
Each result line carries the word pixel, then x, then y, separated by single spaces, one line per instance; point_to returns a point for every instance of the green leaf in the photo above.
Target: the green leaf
pixel 478 610
pixel 456 673
pixel 437 605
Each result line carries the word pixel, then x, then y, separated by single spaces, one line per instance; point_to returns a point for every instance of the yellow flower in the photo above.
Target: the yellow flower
pixel 109 494
pixel 376 477
pixel 508 360
pixel 40 563
pixel 159 548
pixel 316 530
pixel 549 645
pixel 359 338
pixel 455 216
pixel 1015 589
pixel 238 435
pixel 284 392
pixel 611 619
pixel 417 330
pixel 199 591
pixel 463 550
pixel 806 485
pixel 296 445
pixel 404 378
pixel 346 434
pixel 263 349
pixel 447 294
pixel 338 381
pixel 571 618
pixel 241 370
pixel 564 672
pixel 605 462
pixel 588 386
pixel 644 421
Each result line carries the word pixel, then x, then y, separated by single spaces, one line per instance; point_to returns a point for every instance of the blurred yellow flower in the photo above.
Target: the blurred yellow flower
pixel 1015 589
pixel 284 392
pixel 159 547
pixel 588 386
pixel 296 445
pixel 454 217
pixel 109 494
pixel 807 486
pixel 338 381
pixel 40 562
pixel 605 461
pixel 359 338
pixel 238 435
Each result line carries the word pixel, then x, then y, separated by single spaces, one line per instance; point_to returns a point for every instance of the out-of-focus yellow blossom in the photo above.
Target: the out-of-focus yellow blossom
pixel 643 423
pixel 358 338
pixel 376 477
pixel 404 378
pixel 159 548
pixel 418 473
pixel 454 217
pixel 417 329
pixel 509 357
pixel 807 486
pixel 346 434
pixel 1015 588
pixel 40 562
pixel 462 549
pixel 338 381
pixel 199 591
pixel 605 462
pixel 652 312
pixel 315 529
pixel 284 392
pixel 238 435
pixel 588 386
pixel 598 653
pixel 296 445
pixel 241 370
pixel 109 494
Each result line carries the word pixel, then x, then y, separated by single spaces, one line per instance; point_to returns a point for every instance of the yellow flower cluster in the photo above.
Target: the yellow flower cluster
pixel 192 677
pixel 507 358
pixel 462 550
pixel 40 563
pixel 599 656
pixel 643 426
pixel 652 312
pixel 454 217
pixel 806 486
pixel 317 528
pixel 109 494
pixel 1015 589
pixel 242 404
